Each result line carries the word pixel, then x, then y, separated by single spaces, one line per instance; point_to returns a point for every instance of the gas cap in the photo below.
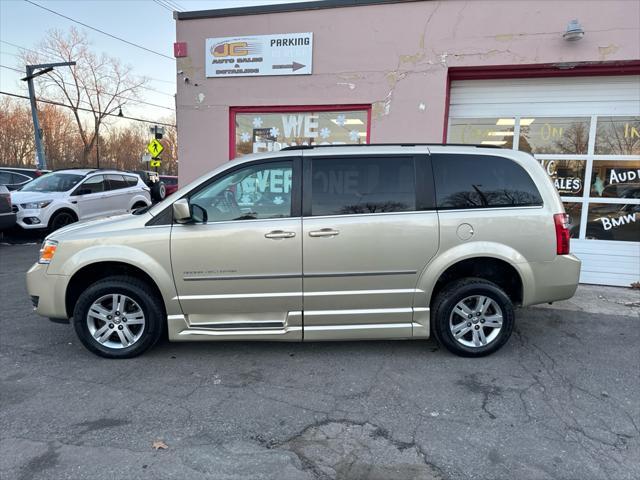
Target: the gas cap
pixel 465 231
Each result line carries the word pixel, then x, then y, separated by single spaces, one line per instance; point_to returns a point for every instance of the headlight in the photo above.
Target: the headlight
pixel 36 205
pixel 47 251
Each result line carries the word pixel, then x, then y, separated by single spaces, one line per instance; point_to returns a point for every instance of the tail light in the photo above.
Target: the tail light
pixel 561 221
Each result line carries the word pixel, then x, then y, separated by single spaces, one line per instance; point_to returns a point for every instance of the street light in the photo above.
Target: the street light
pixel 31 74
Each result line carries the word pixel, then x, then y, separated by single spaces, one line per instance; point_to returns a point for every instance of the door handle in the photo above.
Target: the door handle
pixel 276 234
pixel 325 232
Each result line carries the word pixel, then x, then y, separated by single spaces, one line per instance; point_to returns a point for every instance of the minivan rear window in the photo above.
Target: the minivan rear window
pixel 481 181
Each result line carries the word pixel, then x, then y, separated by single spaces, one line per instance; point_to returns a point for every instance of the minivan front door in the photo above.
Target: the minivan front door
pixel 239 274
pixel 366 238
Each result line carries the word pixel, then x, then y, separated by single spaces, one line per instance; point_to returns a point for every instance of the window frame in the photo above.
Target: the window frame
pixel 423 182
pixel 296 186
pixel 233 111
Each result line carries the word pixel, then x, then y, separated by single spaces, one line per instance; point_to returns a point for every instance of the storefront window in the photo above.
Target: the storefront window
pixel 618 136
pixel 482 131
pixel 567 176
pixel 554 135
pixel 574 209
pixel 615 179
pixel 608 221
pixel 272 131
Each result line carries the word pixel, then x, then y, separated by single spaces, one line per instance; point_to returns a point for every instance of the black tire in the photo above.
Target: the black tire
pixel 455 292
pixel 61 219
pixel 137 290
pixel 159 191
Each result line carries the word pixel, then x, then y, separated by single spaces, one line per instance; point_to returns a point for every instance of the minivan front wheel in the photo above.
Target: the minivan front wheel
pixel 473 317
pixel 118 317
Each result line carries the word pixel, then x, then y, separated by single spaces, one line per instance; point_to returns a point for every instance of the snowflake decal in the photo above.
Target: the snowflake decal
pixel 325 133
pixel 341 120
pixel 278 200
pixel 257 122
pixel 354 135
pixel 274 132
pixel 245 137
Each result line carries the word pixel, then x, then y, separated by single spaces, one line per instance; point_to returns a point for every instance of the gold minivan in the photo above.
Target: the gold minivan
pixel 320 243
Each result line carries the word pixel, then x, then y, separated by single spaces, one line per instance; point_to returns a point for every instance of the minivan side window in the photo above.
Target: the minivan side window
pixel 254 192
pixel 481 181
pixel 361 184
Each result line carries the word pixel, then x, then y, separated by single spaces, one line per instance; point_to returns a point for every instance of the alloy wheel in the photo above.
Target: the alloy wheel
pixel 115 321
pixel 475 321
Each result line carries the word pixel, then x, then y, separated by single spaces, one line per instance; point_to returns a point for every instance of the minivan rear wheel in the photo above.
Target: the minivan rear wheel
pixel 473 317
pixel 118 317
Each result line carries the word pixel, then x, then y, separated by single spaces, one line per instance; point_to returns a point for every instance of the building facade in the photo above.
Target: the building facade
pixel 511 74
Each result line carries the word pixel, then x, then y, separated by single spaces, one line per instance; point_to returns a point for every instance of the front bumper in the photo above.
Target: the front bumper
pixel 49 290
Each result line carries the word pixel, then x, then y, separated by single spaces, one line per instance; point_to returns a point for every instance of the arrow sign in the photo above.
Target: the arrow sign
pixel 293 66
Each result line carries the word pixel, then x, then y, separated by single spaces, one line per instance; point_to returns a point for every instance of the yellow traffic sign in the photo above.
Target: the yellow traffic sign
pixel 155 148
pixel 154 163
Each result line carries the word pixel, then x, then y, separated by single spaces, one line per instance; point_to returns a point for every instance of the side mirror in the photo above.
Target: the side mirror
pixel 181 211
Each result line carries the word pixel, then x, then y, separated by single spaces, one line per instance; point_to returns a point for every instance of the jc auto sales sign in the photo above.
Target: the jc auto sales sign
pixel 258 55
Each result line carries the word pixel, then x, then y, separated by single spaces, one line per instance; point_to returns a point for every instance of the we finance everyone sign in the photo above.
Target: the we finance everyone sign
pixel 259 55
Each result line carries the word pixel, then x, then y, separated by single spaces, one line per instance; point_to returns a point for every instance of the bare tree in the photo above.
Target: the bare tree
pixel 101 84
pixel 16 134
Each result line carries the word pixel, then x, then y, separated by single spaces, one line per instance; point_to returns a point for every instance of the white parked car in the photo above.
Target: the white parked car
pixel 66 196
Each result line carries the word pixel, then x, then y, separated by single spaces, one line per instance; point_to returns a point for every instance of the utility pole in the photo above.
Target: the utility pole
pixel 43 68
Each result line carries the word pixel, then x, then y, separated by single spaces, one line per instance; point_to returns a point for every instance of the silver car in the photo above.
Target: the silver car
pixel 320 243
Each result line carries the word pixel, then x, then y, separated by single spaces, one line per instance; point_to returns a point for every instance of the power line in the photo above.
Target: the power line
pixel 117 95
pixel 11 68
pixel 52 57
pixel 135 119
pixel 174 4
pixel 99 31
pixel 166 7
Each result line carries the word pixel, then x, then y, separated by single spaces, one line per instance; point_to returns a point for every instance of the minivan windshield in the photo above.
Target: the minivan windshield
pixel 53 182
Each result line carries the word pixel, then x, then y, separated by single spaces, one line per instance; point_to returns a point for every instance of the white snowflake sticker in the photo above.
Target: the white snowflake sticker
pixel 257 122
pixel 341 120
pixel 245 137
pixel 325 132
pixel 278 200
pixel 274 132
pixel 354 135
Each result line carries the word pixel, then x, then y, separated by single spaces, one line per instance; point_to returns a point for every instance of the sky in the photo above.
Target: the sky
pixel 144 22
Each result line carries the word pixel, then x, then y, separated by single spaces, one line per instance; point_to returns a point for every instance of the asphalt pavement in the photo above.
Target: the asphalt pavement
pixel 560 401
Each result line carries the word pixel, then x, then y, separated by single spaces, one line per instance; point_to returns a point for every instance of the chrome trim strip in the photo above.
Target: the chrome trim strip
pixel 294 275
pixel 241 277
pixel 359 311
pixel 237 295
pixel 351 215
pixel 229 296
pixel 362 292
pixel 363 326
pixel 360 274
pixel 222 333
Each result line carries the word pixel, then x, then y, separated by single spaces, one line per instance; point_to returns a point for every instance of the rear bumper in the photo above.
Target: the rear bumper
pixel 554 280
pixel 49 291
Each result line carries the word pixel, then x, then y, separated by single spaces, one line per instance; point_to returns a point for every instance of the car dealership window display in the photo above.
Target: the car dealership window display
pixel 267 132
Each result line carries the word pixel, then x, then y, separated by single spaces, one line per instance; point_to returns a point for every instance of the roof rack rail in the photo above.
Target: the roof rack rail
pixel 311 147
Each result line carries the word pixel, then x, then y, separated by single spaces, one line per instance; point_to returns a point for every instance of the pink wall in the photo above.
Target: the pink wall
pixel 393 56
